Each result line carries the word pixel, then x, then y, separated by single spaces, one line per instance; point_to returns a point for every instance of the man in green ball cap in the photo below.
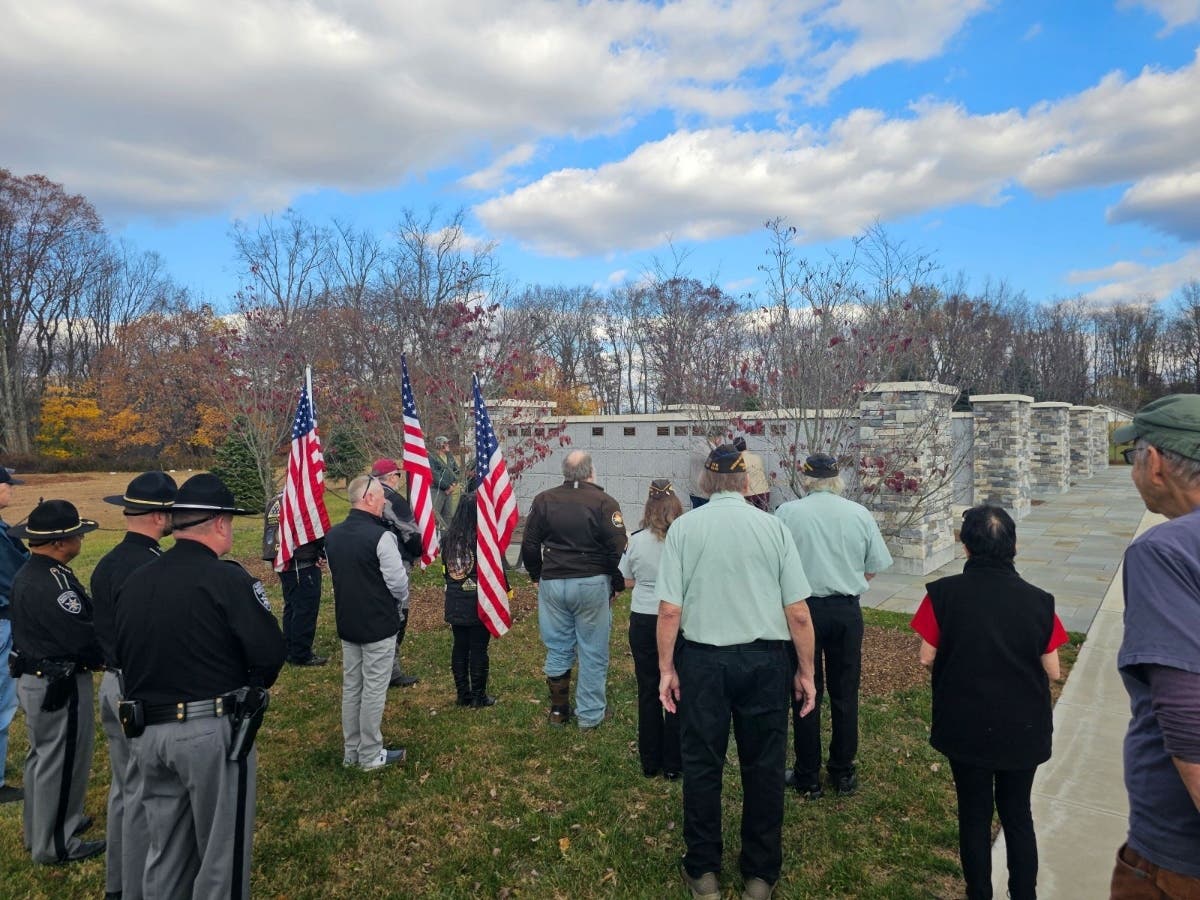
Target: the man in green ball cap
pixel 1159 659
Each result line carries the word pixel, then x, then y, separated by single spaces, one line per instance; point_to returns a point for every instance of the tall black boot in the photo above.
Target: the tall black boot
pixel 399 679
pixel 479 679
pixel 462 684
pixel 560 698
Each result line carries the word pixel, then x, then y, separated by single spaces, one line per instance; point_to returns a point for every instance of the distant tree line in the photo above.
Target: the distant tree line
pixel 105 358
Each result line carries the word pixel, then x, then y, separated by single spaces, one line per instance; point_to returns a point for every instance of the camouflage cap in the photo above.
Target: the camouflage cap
pixel 1169 423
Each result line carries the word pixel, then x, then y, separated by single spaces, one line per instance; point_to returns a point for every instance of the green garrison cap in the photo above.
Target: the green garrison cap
pixel 1169 423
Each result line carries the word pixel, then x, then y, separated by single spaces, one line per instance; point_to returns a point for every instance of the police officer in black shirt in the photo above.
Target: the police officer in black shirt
pixel 55 642
pixel 147 506
pixel 398 516
pixel 192 632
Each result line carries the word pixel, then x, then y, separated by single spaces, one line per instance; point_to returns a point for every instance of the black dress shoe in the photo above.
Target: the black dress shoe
pixel 672 776
pixel 87 850
pixel 10 794
pixel 313 660
pixel 84 824
pixel 847 785
pixel 403 680
pixel 485 700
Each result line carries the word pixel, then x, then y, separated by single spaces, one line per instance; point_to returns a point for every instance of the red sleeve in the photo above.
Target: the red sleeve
pixel 1058 636
pixel 924 622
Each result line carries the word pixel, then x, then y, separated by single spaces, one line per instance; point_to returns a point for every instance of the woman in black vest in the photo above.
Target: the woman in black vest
pixel 992 641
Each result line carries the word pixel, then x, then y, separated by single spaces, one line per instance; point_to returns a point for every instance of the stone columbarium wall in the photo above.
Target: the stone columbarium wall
pixel 1083 455
pixel 915 468
pixel 1050 436
pixel 1003 451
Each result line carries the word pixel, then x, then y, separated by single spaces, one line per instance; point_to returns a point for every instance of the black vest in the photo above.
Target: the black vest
pixel 364 608
pixel 991 696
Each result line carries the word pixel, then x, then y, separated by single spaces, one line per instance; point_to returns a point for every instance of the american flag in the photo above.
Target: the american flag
pixel 416 464
pixel 495 520
pixel 302 515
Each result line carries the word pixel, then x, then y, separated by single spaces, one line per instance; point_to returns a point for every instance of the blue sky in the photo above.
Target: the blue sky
pixel 1054 145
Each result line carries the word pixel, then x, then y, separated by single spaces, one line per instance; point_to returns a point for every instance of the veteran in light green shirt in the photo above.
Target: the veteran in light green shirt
pixel 842 549
pixel 731 580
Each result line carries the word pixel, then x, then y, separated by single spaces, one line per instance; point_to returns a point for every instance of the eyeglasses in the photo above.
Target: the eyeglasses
pixel 1129 453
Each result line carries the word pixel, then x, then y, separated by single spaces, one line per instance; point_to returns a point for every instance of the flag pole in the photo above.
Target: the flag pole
pixel 308 387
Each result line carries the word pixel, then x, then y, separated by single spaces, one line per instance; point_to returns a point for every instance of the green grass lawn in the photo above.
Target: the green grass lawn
pixel 496 803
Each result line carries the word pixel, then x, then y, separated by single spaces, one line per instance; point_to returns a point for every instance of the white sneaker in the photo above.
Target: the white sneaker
pixel 386 757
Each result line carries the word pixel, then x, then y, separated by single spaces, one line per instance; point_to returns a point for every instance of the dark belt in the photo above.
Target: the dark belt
pixel 758 645
pixel 834 598
pixel 158 713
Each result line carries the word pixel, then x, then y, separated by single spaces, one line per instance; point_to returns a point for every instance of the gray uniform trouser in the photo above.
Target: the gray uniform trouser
pixel 56 769
pixel 128 836
pixel 199 809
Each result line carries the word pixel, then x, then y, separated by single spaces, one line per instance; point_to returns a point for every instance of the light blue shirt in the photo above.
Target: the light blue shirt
pixel 639 563
pixel 838 540
pixel 732 568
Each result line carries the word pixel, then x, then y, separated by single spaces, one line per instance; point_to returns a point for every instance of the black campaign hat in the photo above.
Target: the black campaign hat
pixel 149 492
pixel 207 493
pixel 725 459
pixel 6 476
pixel 51 520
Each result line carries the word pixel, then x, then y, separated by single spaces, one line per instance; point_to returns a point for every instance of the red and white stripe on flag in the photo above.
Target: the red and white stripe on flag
pixel 302 515
pixel 495 521
pixel 416 465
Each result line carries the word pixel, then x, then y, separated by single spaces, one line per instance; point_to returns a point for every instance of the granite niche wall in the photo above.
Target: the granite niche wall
pixel 917 464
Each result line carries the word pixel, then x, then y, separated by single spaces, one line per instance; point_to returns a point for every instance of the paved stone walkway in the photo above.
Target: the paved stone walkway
pixel 1070 545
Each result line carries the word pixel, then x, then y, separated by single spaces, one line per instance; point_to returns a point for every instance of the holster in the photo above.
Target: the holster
pixel 132 715
pixel 60 683
pixel 249 706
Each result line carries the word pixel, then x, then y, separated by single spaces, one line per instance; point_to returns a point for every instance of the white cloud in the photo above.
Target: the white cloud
pixel 1173 12
pixel 187 106
pixel 1127 282
pixel 902 30
pixel 1170 203
pixel 618 276
pixel 706 183
pixel 497 174
pixel 1032 32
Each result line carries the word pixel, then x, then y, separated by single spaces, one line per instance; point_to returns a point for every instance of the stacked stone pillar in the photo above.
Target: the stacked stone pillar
pixel 1050 434
pixel 1099 437
pixel 904 434
pixel 1082 455
pixel 1003 451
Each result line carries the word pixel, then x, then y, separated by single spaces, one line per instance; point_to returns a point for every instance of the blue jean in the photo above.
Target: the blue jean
pixel 8 693
pixel 574 616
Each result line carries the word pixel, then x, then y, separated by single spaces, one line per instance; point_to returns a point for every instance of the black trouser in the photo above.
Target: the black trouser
pixel 975 786
pixel 469 659
pixel 301 599
pixel 747 683
pixel 838 630
pixel 658 730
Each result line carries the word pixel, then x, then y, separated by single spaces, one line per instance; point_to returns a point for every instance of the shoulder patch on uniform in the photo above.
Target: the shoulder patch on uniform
pixel 70 602
pixel 261 593
pixel 617 520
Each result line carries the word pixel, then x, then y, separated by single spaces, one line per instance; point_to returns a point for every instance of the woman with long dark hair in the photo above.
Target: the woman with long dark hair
pixel 469 656
pixel 658 730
